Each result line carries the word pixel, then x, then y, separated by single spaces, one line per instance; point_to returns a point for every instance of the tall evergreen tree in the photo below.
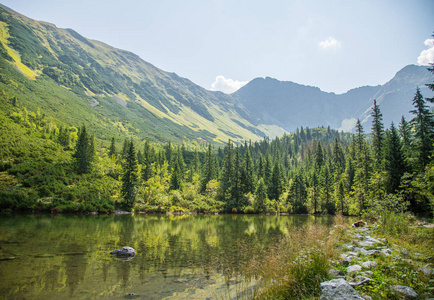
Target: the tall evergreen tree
pixel 112 149
pixel 276 184
pixel 227 175
pixel 327 189
pixel 83 152
pixel 248 180
pixel 394 162
pixel 129 177
pixel 319 156
pixel 125 148
pixel 147 170
pixel 405 133
pixel 423 124
pixel 236 188
pixel 209 171
pixel 377 134
pixel 341 195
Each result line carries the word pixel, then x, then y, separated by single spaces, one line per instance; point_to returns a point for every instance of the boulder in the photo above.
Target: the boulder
pixel 336 274
pixel 404 291
pixel 354 268
pixel 359 224
pixel 124 252
pixel 369 264
pixel 338 289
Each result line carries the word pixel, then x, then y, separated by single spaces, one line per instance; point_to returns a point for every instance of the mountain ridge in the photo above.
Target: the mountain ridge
pixel 123 94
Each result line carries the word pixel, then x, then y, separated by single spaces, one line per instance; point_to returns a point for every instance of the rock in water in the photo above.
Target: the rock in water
pixel 124 251
pixel 338 289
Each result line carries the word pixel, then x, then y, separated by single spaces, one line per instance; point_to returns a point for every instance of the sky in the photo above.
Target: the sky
pixel 335 45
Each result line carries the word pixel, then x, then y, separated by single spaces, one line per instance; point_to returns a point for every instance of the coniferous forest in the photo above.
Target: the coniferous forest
pixel 51 167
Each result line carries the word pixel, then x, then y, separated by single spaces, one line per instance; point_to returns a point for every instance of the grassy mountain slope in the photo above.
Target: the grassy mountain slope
pixel 77 80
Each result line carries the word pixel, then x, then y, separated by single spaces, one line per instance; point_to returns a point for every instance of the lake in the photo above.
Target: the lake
pixel 178 257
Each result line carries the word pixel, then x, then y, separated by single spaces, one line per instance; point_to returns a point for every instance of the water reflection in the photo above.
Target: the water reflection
pixel 68 256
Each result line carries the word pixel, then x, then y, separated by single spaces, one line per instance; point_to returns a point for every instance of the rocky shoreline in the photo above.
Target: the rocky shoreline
pixel 356 261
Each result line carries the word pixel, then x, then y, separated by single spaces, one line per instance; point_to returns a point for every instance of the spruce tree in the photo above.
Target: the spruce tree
pixel 148 160
pixel 405 134
pixel 248 180
pixel 394 162
pixel 276 183
pixel 227 175
pixel 209 171
pixel 236 188
pixel 83 152
pixel 112 149
pixel 423 124
pixel 125 148
pixel 129 176
pixel 341 194
pixel 377 135
pixel 261 196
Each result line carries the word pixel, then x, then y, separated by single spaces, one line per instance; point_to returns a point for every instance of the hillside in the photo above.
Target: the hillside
pixel 77 80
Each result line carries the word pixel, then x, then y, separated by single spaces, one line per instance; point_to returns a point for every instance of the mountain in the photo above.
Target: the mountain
pixel 78 80
pixel 291 105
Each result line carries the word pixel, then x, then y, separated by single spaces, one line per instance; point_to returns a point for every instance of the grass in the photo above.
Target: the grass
pixel 298 264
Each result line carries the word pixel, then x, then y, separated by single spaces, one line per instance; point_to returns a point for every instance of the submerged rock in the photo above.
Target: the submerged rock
pixel 124 252
pixel 338 289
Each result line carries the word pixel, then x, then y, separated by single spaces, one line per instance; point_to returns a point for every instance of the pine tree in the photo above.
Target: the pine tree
pixel 362 172
pixel 341 194
pixel 236 189
pixel 129 177
pixel 327 189
pixel 209 171
pixel 314 192
pixel 248 180
pixel 423 124
pixel 394 162
pixel 377 134
pixel 319 156
pixel 261 196
pixel 83 152
pixel 176 178
pixel 276 184
pixel 228 169
pixel 405 133
pixel 112 149
pixel 125 148
pixel 338 158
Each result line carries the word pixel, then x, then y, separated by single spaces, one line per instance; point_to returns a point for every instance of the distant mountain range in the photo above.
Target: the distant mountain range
pixel 290 105
pixel 76 80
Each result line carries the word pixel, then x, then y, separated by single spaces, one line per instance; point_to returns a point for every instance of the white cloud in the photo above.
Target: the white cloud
pixel 226 85
pixel 329 43
pixel 426 57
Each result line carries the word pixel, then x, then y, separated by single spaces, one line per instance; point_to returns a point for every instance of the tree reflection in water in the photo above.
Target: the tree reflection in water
pixel 68 256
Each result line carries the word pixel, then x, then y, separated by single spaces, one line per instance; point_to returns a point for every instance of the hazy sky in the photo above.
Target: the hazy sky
pixel 334 45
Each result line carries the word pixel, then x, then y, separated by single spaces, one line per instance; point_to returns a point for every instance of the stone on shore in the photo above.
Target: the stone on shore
pixel 338 289
pixel 354 268
pixel 404 291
